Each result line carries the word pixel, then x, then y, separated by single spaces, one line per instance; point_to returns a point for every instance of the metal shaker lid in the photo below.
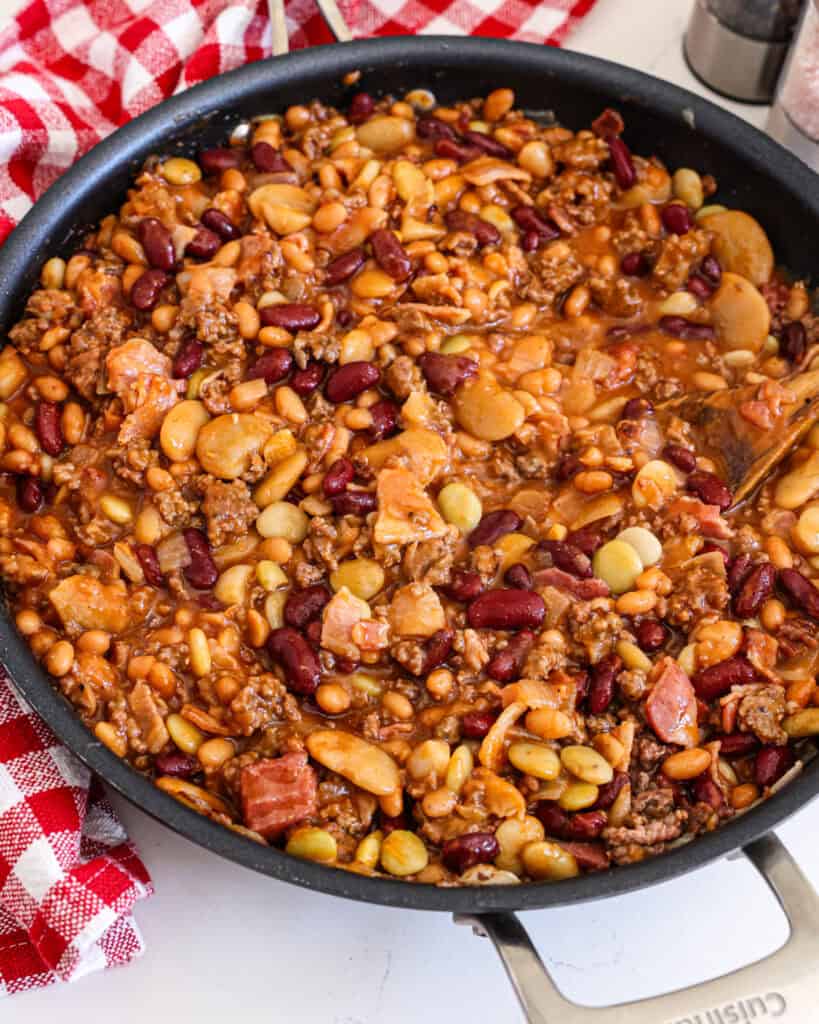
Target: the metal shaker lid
pixel 740 53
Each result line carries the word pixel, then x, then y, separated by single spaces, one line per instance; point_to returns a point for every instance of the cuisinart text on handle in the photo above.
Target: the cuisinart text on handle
pixel 753 1008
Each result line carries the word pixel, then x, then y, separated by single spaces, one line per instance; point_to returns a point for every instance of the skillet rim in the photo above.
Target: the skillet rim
pixel 153 130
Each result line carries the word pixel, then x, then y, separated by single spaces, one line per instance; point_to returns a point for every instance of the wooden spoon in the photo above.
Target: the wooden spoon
pixel 746 452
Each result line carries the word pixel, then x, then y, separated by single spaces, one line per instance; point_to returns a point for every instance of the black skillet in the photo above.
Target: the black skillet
pixel 754 174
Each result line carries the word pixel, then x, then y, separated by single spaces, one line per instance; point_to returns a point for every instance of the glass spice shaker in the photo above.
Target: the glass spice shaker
pixel 794 117
pixel 737 47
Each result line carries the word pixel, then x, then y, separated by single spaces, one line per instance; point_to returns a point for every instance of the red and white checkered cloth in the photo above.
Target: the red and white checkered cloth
pixel 68 875
pixel 71 72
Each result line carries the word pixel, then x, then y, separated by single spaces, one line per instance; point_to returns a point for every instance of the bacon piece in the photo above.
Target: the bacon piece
pixel 589 856
pixel 278 792
pixel 149 398
pixel 583 590
pixel 708 517
pixel 671 707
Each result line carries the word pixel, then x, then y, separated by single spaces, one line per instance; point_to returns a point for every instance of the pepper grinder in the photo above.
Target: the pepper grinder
pixel 794 117
pixel 737 47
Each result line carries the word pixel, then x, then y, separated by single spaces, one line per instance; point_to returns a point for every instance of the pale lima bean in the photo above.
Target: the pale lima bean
pixel 364 764
pixel 654 484
pixel 403 853
pixel 513 835
pixel 363 577
pixel 547 861
pixel 647 546
pixel 460 506
pixel 283 519
pixel 226 445
pixel 312 843
pixel 806 531
pixel 232 586
pixel 534 759
pixel 586 764
pixel 800 485
pixel 618 565
pixel 281 479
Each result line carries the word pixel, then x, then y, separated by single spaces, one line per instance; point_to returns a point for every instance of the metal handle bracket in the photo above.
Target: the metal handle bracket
pixel 784 985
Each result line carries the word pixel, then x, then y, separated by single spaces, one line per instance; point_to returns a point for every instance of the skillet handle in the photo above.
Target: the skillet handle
pixel 782 985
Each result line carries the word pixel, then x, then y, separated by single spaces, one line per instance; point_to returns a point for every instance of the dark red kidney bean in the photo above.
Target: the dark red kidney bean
pixel 444 374
pixel 635 264
pixel 148 560
pixel 476 724
pixel 793 341
pixel 554 819
pixel 337 477
pixel 216 221
pixel 709 546
pixel 272 366
pixel 609 792
pixel 507 609
pixel 434 128
pixel 202 572
pixel 676 218
pixel 683 458
pixel 390 255
pixel 569 558
pixel 448 149
pixel 268 159
pixel 679 327
pixel 345 665
pixel 47 427
pixel 738 570
pixel 157 243
pixel 710 489
pixel 313 633
pixel 394 823
pixel 350 380
pixel 589 856
pixel 344 317
pixel 214 161
pixel 581 687
pixel 304 382
pixel 637 409
pixel 302 668
pixel 699 286
pixel 292 316
pixel 487 144
pixel 343 267
pixel 30 495
pixel 621 162
pixel 175 763
pixel 385 419
pixel 771 763
pixel 188 360
pixel 302 606
pixel 711 270
pixel 506 665
pixel 484 232
pixel 146 289
pixel 527 218
pixel 354 503
pixel 567 466
pixel 801 591
pixel 204 245
pixel 530 241
pixel 361 107
pixel 586 825
pixel 518 576
pixel 716 680
pixel 466 851
pixel 706 791
pixel 586 539
pixel 756 590
pixel 464 585
pixel 737 744
pixel 493 526
pixel 439 646
pixel 650 635
pixel 601 686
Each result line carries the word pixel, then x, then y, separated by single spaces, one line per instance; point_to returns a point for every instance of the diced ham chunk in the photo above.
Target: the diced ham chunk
pixel 589 856
pixel 150 398
pixel 83 602
pixel 277 793
pixel 405 511
pixel 671 707
pixel 137 357
pixel 708 517
pixel 341 614
pixel 583 590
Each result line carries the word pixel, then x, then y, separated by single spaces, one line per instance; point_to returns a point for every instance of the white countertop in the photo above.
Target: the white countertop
pixel 222 941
